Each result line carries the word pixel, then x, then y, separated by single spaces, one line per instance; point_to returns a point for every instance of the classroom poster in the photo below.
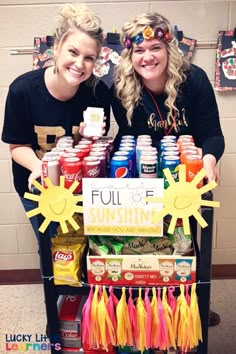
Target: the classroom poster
pixel 43 52
pixel 225 73
pixel 187 46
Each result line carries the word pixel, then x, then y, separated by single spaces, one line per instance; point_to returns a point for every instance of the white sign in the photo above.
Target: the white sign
pixel 117 206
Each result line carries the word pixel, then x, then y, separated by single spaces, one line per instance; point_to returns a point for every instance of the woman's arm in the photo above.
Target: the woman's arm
pixel 206 123
pixel 26 157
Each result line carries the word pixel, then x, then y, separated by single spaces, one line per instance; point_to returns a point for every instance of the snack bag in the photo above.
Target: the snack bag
pixel 66 258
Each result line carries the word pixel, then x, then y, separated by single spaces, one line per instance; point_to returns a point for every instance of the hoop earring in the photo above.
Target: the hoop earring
pixel 55 70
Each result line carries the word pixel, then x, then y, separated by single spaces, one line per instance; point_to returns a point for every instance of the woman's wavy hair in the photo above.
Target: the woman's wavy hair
pixel 78 16
pixel 127 81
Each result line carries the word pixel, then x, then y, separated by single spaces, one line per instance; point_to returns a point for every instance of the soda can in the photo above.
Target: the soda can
pixel 169 152
pixel 171 138
pixel 171 162
pixel 128 137
pixel 126 154
pixel 151 151
pixel 103 161
pixel 82 150
pixel 58 150
pixel 109 140
pixel 52 154
pixel 66 155
pixel 50 168
pixel 72 171
pixel 194 164
pixel 185 136
pixel 148 166
pixel 119 167
pixel 132 159
pixel 121 153
pixel 101 145
pixel 65 138
pixel 185 145
pixel 186 152
pixel 64 144
pixel 127 143
pixel 144 137
pixel 141 145
pixel 87 143
pixel 164 144
pixel 91 167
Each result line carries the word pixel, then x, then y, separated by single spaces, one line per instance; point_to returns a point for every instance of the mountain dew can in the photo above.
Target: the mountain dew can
pixel 172 162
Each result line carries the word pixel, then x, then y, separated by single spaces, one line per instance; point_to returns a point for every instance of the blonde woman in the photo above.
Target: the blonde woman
pixel 45 104
pixel 158 92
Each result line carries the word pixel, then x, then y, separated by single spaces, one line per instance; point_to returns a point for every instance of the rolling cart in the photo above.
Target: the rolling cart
pixel 203 245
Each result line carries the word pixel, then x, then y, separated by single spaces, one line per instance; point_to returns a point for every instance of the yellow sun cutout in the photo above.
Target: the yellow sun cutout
pixel 55 203
pixel 183 199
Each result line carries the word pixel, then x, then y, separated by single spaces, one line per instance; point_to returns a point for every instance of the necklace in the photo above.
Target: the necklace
pixel 167 131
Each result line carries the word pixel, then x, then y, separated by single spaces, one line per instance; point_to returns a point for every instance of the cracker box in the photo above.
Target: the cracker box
pixel 141 270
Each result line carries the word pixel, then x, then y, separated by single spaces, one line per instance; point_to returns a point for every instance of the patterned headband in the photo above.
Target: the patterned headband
pixel 148 33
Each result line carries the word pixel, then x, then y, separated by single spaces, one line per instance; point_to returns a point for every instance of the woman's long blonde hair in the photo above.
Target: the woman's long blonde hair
pixel 128 83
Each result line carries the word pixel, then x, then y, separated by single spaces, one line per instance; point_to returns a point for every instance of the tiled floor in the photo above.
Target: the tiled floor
pixel 22 312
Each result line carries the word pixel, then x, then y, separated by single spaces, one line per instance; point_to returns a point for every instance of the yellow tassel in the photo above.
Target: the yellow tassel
pixel 154 320
pixel 196 328
pixel 94 333
pixel 169 319
pixel 124 331
pixel 141 322
pixel 107 333
pixel 183 336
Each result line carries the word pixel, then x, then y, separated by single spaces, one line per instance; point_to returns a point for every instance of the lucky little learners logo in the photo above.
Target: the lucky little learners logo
pixel 33 342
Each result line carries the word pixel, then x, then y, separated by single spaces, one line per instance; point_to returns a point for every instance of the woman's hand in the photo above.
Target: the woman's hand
pixel 100 132
pixel 209 164
pixel 35 174
pixel 26 157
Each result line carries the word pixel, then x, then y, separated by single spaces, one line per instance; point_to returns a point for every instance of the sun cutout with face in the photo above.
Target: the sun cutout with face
pixel 56 203
pixel 182 199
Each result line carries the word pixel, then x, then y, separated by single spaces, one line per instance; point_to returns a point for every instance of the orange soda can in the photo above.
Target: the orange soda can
pixel 193 164
pixel 188 151
pixel 185 137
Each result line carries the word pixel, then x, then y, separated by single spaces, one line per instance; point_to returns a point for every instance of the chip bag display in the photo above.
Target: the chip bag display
pixel 67 254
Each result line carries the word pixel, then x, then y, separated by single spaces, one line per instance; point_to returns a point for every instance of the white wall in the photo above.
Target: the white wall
pixel 21 20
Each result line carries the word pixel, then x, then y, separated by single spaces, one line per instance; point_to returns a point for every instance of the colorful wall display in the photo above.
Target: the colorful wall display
pixel 225 74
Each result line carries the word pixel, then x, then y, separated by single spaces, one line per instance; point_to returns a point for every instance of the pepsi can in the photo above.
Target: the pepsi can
pixel 119 167
pixel 132 159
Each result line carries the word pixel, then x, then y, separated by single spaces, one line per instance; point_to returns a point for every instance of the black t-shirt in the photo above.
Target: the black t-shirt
pixel 33 116
pixel 197 114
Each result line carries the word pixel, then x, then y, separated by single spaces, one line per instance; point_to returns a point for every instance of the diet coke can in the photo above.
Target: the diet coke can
pixel 72 171
pixel 90 167
pixel 51 169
